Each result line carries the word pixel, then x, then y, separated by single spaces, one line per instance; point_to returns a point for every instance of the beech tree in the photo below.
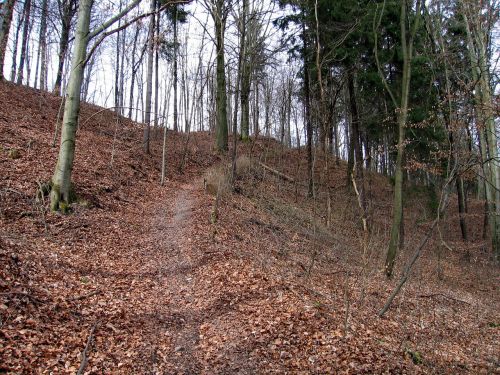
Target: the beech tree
pixel 219 10
pixel 67 10
pixel 407 39
pixel 24 40
pixel 7 11
pixel 477 29
pixel 61 193
pixel 149 78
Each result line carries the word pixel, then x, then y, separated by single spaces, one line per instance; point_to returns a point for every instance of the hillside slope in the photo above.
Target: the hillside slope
pixel 140 280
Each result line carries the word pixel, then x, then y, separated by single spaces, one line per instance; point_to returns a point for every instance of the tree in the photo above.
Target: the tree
pixel 24 41
pixel 149 78
pixel 219 10
pixel 67 9
pixel 477 29
pixel 61 194
pixel 402 116
pixel 176 15
pixel 42 39
pixel 6 13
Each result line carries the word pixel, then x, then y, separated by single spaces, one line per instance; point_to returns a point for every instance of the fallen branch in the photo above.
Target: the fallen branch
pixel 443 203
pixel 10 190
pixel 277 173
pixel 407 270
pixel 86 350
pixel 83 296
pixel 444 296
pixel 23 294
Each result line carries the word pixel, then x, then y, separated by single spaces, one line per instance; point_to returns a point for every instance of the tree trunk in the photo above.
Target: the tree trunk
pixel 24 41
pixel 221 99
pixel 307 105
pixel 42 46
pixel 485 121
pixel 407 51
pixel 117 68
pixel 5 23
pixel 176 79
pixel 245 71
pixel 87 78
pixel 13 71
pixel 60 194
pixel 149 80
pixel 68 10
pixel 157 77
pixel 355 132
pixel 461 207
pixel 256 127
pixel 134 72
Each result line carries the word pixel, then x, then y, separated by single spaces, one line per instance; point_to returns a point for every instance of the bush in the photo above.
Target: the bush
pixel 243 165
pixel 216 181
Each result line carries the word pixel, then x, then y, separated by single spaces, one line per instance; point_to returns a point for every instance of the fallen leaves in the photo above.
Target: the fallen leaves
pixel 176 294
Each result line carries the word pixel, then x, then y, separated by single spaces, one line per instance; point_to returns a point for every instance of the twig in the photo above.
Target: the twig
pixel 83 296
pixel 442 206
pixel 86 350
pixel 23 294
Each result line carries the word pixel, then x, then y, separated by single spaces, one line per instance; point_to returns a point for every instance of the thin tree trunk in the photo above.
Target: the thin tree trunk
pixel 176 80
pixel 308 120
pixel 42 48
pixel 221 129
pixel 164 149
pixel 69 9
pixel 256 128
pixel 461 207
pixel 149 80
pixel 485 121
pixel 134 72
pixel 407 51
pixel 157 78
pixel 117 68
pixel 244 74
pixel 13 71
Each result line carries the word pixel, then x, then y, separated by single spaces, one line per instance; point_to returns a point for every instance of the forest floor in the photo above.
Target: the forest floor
pixel 139 279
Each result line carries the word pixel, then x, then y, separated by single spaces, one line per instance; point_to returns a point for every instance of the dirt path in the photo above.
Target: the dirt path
pixel 172 232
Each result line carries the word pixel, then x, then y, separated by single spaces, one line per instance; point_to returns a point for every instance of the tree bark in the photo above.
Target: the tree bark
pixel 157 77
pixel 61 181
pixel 402 116
pixel 176 79
pixel 13 71
pixel 42 48
pixel 134 72
pixel 485 121
pixel 24 41
pixel 149 80
pixel 68 12
pixel 221 129
pixel 308 120
pixel 8 12
pixel 117 68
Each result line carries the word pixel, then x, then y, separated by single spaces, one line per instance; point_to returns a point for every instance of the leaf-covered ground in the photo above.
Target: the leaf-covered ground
pixel 139 273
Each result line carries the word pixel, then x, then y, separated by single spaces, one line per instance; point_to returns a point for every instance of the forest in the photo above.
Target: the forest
pixel 249 186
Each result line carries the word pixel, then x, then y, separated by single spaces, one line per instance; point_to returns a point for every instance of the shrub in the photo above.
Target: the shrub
pixel 243 165
pixel 216 181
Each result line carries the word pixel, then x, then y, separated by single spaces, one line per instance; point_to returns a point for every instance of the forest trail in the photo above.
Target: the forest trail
pixel 172 231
